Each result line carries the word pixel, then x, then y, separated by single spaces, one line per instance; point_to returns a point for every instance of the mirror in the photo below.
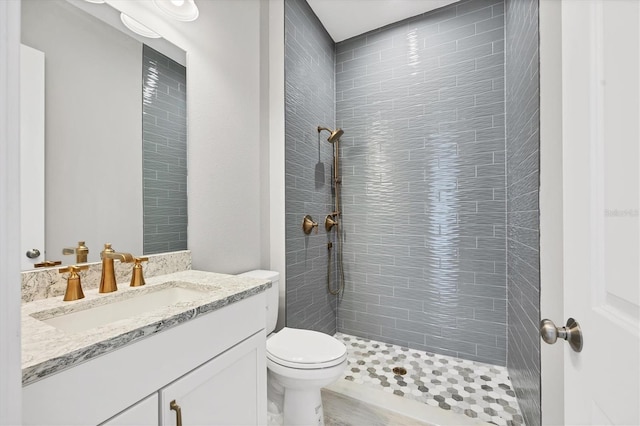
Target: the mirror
pixel 115 141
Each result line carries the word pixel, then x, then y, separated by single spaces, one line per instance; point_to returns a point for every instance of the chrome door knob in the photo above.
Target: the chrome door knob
pixel 33 253
pixel 572 333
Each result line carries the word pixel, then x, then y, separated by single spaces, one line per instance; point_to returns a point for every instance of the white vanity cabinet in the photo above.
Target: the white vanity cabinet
pixel 214 366
pixel 223 391
pixel 144 413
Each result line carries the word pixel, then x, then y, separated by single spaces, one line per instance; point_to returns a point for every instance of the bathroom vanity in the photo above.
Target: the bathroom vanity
pixel 202 359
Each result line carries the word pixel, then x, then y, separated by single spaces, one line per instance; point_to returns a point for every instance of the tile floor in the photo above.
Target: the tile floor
pixel 474 389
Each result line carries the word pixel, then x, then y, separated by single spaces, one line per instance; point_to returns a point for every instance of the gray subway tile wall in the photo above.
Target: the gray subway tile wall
pixel 523 165
pixel 310 102
pixel 164 156
pixel 439 218
pixel 423 161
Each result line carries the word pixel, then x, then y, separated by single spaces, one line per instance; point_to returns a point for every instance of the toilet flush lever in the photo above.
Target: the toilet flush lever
pixel 572 333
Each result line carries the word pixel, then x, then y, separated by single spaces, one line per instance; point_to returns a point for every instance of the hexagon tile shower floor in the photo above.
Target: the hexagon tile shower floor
pixel 465 387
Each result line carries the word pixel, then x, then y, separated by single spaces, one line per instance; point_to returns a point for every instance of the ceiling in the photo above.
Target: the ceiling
pixel 344 19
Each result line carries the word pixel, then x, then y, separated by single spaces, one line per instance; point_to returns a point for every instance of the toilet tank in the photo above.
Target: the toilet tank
pixel 272 294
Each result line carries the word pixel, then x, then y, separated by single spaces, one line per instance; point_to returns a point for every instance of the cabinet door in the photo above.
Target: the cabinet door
pixel 143 413
pixel 228 390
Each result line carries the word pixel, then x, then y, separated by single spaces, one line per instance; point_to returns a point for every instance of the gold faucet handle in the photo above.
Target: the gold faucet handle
pixel 137 278
pixel 74 269
pixel 74 286
pixel 48 264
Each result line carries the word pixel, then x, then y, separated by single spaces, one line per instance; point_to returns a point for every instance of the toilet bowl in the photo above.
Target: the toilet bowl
pixel 299 364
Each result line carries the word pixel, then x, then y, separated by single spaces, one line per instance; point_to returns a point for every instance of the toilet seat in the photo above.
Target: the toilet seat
pixel 305 349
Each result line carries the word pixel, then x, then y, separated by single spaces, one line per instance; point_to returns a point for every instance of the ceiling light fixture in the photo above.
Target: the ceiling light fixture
pixel 137 27
pixel 182 10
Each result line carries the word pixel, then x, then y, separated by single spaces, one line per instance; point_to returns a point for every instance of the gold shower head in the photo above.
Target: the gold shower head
pixel 335 134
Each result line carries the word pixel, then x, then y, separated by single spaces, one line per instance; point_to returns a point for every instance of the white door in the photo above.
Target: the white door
pixel 31 157
pixel 601 122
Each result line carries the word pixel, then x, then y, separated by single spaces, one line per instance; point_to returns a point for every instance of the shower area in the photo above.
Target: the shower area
pixel 436 199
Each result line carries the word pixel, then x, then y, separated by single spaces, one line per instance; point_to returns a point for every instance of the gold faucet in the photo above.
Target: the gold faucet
pixel 108 278
pixel 81 252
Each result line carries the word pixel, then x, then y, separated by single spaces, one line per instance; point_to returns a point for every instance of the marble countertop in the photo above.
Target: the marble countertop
pixel 47 349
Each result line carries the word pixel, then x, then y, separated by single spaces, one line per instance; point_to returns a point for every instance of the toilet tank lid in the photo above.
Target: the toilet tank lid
pixel 261 274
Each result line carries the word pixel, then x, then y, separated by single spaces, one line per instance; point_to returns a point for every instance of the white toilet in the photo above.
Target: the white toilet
pixel 299 364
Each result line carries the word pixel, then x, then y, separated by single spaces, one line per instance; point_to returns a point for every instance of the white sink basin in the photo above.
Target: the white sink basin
pixel 122 306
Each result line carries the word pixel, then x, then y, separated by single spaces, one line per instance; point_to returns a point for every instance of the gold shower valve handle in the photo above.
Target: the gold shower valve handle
pixel 329 222
pixel 308 224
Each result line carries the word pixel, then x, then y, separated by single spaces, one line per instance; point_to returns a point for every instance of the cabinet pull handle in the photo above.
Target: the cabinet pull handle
pixel 175 407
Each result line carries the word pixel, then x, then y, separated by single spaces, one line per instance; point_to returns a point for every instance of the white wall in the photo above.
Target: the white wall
pixel 276 106
pixel 551 272
pixel 265 125
pixel 223 108
pixel 93 116
pixel 10 372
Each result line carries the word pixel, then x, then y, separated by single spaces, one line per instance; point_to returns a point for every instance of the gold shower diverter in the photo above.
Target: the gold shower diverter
pixel 329 222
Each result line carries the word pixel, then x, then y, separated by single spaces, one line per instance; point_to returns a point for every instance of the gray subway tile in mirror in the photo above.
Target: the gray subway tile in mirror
pixel 164 158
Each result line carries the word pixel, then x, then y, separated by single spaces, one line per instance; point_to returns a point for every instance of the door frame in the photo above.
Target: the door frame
pixel 10 292
pixel 551 193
